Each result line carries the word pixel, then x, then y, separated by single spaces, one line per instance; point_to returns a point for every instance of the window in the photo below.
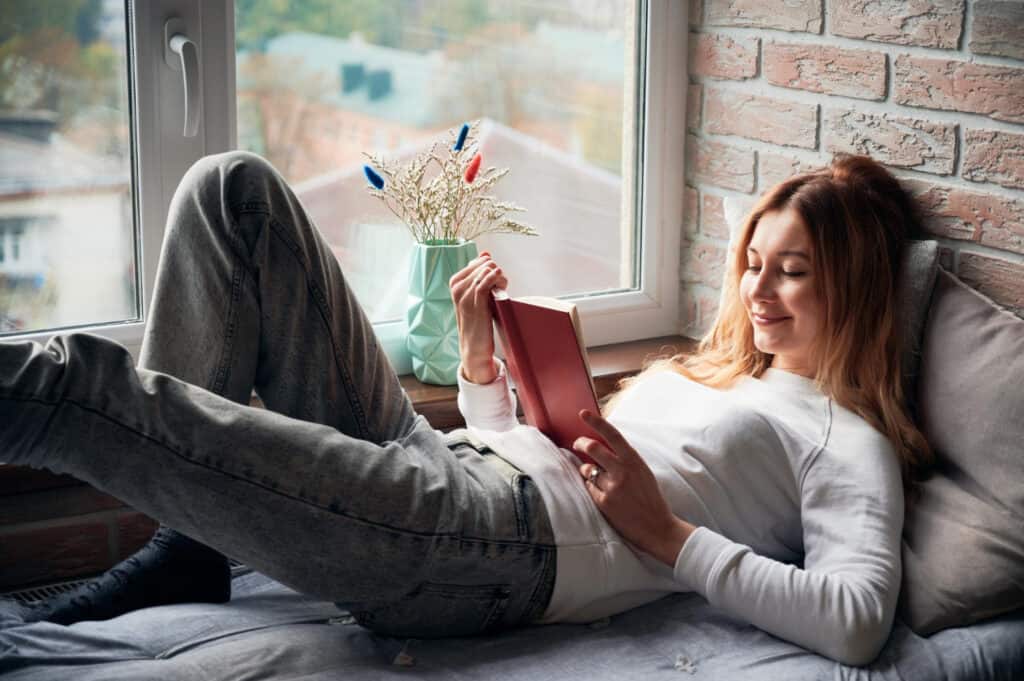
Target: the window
pixel 67 237
pixel 581 99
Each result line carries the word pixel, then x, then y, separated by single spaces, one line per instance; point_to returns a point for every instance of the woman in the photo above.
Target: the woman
pixel 785 433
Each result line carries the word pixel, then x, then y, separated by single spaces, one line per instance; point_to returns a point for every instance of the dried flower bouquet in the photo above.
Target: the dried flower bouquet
pixel 451 204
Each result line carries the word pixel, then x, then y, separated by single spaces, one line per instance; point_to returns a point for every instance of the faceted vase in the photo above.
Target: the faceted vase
pixel 433 336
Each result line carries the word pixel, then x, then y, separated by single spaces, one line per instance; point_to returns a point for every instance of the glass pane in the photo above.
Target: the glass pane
pixel 554 84
pixel 67 242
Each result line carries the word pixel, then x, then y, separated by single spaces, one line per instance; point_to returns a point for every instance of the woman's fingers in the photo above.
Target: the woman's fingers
pixel 609 434
pixel 488 280
pixel 470 268
pixel 467 286
pixel 604 457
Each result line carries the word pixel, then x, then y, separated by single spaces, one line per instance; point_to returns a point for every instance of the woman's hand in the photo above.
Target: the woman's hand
pixel 471 291
pixel 627 493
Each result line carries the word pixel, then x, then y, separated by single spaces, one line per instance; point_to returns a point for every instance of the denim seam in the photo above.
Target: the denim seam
pixel 221 375
pixel 519 506
pixel 320 300
pixel 541 595
pixel 331 508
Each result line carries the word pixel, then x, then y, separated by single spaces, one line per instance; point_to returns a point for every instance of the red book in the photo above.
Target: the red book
pixel 542 339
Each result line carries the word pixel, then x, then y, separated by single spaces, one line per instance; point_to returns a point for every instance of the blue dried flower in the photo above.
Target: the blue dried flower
pixel 462 137
pixel 372 176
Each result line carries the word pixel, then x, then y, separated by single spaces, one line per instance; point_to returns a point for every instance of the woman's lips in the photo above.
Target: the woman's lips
pixel 768 321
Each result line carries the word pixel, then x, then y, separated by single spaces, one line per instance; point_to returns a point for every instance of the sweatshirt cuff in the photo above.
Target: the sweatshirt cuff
pixel 490 406
pixel 696 561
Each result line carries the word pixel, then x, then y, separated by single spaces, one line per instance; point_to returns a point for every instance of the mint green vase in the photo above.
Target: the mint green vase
pixel 433 335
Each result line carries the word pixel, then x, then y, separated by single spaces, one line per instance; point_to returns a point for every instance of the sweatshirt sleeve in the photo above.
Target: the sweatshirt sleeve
pixel 841 604
pixel 489 406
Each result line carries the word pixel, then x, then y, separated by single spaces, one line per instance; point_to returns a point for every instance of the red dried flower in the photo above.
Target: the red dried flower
pixel 472 169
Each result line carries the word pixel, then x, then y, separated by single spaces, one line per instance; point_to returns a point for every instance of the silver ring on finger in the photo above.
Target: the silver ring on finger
pixel 595 472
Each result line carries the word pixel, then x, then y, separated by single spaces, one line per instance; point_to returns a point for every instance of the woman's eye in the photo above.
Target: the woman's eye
pixel 753 268
pixel 794 274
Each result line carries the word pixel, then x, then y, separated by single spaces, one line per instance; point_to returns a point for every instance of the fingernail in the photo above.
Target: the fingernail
pixel 485 253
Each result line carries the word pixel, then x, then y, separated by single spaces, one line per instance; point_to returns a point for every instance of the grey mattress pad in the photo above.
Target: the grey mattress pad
pixel 268 631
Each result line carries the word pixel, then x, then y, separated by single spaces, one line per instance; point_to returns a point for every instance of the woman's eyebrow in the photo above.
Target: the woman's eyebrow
pixel 799 254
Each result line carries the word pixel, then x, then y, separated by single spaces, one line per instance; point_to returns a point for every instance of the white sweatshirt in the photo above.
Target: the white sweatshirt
pixel 770 471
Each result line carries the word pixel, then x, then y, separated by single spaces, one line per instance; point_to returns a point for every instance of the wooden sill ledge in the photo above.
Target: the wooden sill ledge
pixel 608 363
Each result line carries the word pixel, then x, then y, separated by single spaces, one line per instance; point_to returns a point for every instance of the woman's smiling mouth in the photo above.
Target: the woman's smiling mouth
pixel 767 321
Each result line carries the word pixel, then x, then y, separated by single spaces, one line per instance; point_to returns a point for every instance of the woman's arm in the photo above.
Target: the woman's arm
pixel 491 406
pixel 841 604
pixel 485 398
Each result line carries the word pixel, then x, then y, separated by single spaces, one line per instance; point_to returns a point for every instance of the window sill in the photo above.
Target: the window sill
pixel 608 363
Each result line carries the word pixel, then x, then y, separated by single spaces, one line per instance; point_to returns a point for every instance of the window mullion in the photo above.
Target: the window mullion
pixel 163 153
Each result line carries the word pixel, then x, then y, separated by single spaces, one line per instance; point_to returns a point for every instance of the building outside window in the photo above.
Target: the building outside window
pixel 570 94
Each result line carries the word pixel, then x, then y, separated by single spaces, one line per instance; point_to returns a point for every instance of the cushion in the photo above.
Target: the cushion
pixel 271 633
pixel 963 544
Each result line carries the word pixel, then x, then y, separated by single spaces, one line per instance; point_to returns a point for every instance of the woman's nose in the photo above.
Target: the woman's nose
pixel 764 288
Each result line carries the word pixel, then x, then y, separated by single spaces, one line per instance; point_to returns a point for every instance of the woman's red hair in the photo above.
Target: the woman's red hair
pixel 859 218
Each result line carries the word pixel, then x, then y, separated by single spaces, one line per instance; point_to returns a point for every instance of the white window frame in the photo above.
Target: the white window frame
pixel 162 155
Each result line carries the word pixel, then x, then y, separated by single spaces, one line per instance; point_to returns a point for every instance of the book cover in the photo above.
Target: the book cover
pixel 547 358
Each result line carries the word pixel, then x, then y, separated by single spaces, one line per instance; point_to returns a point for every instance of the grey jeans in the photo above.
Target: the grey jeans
pixel 338 489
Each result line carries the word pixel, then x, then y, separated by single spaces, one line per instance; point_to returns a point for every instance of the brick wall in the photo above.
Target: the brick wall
pixel 934 89
pixel 54 527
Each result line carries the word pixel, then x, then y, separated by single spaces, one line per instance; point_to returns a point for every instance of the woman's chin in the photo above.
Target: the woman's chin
pixel 765 344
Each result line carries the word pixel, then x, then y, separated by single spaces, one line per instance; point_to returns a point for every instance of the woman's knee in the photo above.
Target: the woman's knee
pixel 229 172
pixel 218 189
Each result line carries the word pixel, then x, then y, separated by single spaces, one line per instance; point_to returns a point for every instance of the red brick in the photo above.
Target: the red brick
pixel 698 307
pixel 893 140
pixel 788 15
pixel 981 217
pixel 712 217
pixel 720 164
pixel 691 206
pixel 930 23
pixel 774 168
pixel 994 156
pixel 707 304
pixel 63 502
pixel 688 312
pixel 19 479
pixel 720 56
pixel 829 70
pixel 134 529
pixel 35 556
pixel 693 97
pixel 777 121
pixel 999 279
pixel 995 91
pixel 998 28
pixel 704 263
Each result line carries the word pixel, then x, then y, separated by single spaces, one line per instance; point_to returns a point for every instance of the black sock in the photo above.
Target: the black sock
pixel 171 568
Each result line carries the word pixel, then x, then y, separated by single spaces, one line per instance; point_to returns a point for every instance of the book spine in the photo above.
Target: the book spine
pixel 519 365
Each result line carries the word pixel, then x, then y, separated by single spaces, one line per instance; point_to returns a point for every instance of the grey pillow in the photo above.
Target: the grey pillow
pixel 963 544
pixel 915 280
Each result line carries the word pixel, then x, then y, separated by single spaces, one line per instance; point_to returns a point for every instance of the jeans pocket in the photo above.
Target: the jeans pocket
pixel 439 611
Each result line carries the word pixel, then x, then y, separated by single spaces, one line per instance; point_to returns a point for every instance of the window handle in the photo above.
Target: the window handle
pixel 181 54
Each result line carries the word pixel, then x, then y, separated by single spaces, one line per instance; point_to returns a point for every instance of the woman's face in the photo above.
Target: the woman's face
pixel 780 293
